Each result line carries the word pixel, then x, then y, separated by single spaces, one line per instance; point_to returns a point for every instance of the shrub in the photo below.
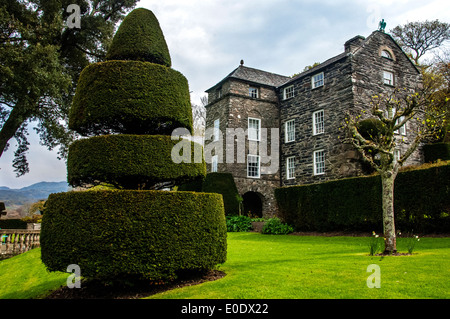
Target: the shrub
pixel 421 198
pixel 140 38
pixel 130 97
pixel 13 224
pixel 150 234
pixel 220 183
pixel 238 223
pixel 437 151
pixel 129 161
pixel 274 226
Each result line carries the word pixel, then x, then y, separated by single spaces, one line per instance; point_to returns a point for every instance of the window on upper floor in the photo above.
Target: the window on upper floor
pixel 289 131
pixel 397 155
pixel 290 167
pixel 254 129
pixel 219 92
pixel 402 129
pixel 386 54
pixel 253 92
pixel 288 92
pixel 388 78
pixel 253 166
pixel 216 130
pixel 318 122
pixel 317 80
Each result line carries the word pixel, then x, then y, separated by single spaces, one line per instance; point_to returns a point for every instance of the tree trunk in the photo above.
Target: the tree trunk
pixel 387 181
pixel 12 124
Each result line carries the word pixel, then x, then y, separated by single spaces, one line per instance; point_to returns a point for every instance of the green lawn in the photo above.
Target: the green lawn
pixel 287 266
pixel 282 266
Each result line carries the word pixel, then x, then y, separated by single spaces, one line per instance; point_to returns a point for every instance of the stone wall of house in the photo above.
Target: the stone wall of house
pixel 350 80
pixel 233 109
pixel 368 67
pixel 334 98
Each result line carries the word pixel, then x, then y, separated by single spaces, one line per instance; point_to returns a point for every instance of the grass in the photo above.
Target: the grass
pixel 25 276
pixel 292 267
pixel 282 267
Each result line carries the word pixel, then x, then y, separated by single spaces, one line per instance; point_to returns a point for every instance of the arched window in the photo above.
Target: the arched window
pixel 386 54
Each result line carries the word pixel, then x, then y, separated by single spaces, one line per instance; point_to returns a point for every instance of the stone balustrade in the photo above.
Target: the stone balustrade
pixel 17 241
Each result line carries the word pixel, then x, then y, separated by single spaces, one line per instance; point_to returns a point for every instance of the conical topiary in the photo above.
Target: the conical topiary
pixel 133 231
pixel 140 94
pixel 140 38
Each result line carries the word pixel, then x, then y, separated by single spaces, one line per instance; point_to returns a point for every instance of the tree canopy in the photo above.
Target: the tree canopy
pixel 40 62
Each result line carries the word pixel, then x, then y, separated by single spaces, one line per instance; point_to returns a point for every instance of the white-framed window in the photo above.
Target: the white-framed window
pixel 386 54
pixel 397 155
pixel 289 129
pixel 388 78
pixel 318 122
pixel 219 92
pixel 319 162
pixel 253 166
pixel 288 92
pixel 317 80
pixel 402 129
pixel 253 92
pixel 216 129
pixel 214 163
pixel 290 167
pixel 254 129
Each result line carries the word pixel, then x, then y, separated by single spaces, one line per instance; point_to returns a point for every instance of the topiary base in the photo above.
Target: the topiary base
pixel 121 233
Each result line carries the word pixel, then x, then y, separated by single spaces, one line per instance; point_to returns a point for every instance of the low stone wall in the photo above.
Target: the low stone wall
pixel 17 241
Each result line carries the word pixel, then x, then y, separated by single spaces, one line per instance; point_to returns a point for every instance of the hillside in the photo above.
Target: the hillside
pixel 31 193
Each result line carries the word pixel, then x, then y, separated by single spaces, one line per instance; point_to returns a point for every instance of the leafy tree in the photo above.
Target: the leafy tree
pixel 40 62
pixel 418 38
pixel 389 112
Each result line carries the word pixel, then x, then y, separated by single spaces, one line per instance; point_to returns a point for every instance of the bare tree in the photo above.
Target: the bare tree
pixel 391 112
pixel 417 38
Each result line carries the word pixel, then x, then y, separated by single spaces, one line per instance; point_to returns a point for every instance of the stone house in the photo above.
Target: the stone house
pixel 270 130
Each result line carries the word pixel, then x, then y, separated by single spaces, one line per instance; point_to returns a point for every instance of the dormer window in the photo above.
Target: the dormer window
pixel 386 54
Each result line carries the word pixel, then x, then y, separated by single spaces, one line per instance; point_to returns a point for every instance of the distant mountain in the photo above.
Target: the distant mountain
pixel 31 193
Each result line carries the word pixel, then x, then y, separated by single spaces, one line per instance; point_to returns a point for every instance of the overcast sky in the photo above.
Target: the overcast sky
pixel 208 38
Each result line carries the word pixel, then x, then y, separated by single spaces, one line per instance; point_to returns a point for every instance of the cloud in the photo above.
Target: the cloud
pixel 207 40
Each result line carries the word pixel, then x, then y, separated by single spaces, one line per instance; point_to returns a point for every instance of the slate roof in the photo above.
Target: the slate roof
pixel 320 66
pixel 256 76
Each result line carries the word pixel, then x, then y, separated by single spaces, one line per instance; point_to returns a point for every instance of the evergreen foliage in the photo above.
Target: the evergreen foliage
pixel 219 183
pixel 148 99
pixel 140 38
pixel 436 151
pixel 422 203
pixel 129 233
pixel 128 161
pixel 145 234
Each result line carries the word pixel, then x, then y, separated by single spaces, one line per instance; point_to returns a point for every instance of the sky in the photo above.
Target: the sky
pixel 207 39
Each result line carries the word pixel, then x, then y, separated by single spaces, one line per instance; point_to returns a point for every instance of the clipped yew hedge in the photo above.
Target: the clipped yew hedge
pixel 130 97
pixel 140 37
pixel 151 234
pixel 421 203
pixel 437 151
pixel 129 161
pixel 219 183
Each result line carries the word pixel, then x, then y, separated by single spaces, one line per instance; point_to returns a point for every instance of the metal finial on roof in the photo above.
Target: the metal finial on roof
pixel 382 25
pixel 242 62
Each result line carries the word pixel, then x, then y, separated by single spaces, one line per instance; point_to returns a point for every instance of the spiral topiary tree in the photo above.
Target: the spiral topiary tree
pixel 127 107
